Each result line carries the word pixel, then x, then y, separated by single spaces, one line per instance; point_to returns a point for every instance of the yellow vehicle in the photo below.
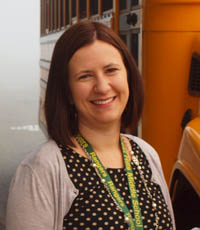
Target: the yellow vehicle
pixel 164 38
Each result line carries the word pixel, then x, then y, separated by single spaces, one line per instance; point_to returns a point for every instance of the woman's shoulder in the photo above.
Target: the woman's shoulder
pixel 45 160
pixel 150 153
pixel 45 153
pixel 148 150
pixel 44 166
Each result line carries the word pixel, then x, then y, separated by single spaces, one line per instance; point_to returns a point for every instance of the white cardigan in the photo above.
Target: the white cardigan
pixel 41 192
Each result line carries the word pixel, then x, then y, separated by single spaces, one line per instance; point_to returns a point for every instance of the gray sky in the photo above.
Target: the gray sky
pixel 19 88
pixel 19 44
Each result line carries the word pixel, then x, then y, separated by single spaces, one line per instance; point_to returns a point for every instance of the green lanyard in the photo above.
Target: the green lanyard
pixel 134 224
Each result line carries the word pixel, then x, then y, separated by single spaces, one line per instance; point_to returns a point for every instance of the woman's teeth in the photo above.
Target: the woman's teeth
pixel 103 102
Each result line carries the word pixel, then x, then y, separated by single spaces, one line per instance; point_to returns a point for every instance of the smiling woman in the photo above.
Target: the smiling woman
pixel 72 62
pixel 89 175
pixel 99 85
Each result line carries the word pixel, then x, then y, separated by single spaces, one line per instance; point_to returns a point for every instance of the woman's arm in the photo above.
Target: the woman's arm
pixel 30 204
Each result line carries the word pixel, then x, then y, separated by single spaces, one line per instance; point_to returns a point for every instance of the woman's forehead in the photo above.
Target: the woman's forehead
pixel 98 51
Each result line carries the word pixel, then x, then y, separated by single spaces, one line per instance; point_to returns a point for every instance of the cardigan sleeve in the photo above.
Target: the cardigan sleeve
pixel 41 192
pixel 29 206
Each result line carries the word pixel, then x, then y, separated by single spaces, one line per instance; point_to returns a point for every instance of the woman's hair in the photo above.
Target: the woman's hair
pixel 61 115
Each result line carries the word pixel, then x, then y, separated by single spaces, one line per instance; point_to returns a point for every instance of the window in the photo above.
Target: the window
pixel 134 2
pixel 66 15
pixel 50 14
pixel 53 15
pixel 62 13
pixel 73 8
pixel 47 16
pixel 83 8
pixel 58 14
pixel 122 4
pixel 94 7
pixel 134 46
pixel 107 5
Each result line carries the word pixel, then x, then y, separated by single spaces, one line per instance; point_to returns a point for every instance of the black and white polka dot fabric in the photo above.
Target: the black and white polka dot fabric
pixel 94 208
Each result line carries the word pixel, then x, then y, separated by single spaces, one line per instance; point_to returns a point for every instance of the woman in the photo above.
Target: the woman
pixel 88 175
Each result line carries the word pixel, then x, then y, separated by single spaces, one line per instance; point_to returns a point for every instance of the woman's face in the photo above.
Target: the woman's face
pixel 98 83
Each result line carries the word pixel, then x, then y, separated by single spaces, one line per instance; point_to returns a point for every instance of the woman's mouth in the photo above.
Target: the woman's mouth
pixel 103 102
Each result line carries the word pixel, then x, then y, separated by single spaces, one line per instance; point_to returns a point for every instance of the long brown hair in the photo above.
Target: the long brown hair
pixel 60 114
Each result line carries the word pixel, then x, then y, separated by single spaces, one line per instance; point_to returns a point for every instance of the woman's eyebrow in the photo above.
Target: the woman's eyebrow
pixel 110 65
pixel 83 72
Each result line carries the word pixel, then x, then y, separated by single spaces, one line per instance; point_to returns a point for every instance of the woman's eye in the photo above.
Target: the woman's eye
pixel 84 77
pixel 111 70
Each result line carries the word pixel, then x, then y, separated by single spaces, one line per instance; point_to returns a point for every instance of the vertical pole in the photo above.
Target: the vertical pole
pixel 100 7
pixel 88 9
pixel 116 16
pixel 78 10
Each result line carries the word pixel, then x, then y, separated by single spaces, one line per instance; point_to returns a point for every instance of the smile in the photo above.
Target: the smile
pixel 103 102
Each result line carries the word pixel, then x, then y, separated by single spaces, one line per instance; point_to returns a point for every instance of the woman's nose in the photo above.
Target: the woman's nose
pixel 102 84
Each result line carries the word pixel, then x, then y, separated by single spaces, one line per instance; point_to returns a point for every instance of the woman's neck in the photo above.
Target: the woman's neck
pixel 105 142
pixel 101 139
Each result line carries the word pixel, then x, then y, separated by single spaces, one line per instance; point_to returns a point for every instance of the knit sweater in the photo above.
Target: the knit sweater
pixel 41 192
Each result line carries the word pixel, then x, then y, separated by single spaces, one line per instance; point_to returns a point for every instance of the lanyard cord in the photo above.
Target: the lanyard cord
pixel 136 223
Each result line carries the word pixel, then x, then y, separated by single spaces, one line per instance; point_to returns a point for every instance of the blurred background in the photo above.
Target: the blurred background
pixel 19 88
pixel 164 38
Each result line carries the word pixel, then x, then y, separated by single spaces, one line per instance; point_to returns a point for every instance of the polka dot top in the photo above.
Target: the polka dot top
pixel 94 208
